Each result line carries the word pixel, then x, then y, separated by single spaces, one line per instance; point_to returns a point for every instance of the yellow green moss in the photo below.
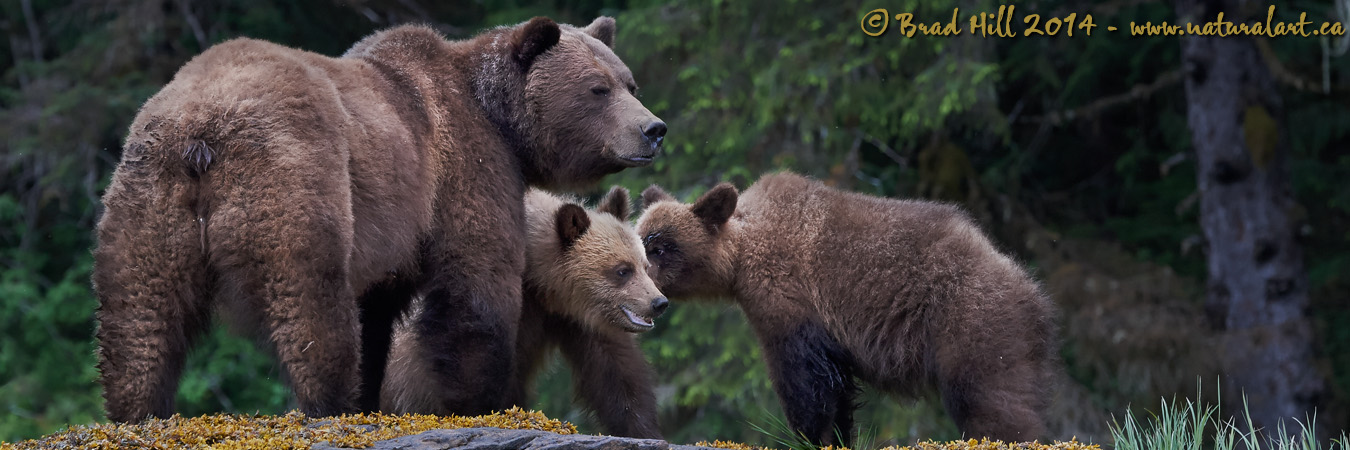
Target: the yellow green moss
pixel 725 444
pixel 289 431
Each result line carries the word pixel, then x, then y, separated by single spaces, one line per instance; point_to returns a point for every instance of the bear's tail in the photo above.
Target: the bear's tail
pixel 197 158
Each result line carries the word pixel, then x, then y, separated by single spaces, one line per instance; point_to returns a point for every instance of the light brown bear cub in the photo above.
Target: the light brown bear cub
pixel 899 293
pixel 318 195
pixel 586 293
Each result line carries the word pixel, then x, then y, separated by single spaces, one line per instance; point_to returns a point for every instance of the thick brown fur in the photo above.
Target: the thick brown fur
pixel 901 294
pixel 316 195
pixel 583 269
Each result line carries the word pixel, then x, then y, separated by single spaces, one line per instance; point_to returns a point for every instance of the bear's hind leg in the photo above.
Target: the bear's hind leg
pixel 309 313
pixel 284 239
pixel 150 279
pixel 993 396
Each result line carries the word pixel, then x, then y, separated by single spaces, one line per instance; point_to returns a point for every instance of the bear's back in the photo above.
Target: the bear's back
pixel 878 271
pixel 239 87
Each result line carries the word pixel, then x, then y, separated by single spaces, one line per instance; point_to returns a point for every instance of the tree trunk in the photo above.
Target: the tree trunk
pixel 1257 290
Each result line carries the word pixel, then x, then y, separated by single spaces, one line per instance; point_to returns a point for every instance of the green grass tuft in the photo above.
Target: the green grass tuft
pixel 1193 426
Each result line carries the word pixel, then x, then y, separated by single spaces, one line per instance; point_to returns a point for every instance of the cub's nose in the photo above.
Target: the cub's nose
pixel 659 306
pixel 654 132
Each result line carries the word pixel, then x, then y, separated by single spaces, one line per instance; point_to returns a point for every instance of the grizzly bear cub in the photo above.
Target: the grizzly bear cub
pixel 586 293
pixel 899 293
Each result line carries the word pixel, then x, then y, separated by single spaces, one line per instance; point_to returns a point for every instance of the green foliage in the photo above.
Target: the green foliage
pixel 229 373
pixel 709 362
pixel 1197 426
pixel 1174 428
pixel 747 88
pixel 46 351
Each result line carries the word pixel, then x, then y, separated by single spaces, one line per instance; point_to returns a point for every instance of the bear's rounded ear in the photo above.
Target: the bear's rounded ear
pixel 654 194
pixel 615 203
pixel 533 39
pixel 603 29
pixel 572 222
pixel 716 205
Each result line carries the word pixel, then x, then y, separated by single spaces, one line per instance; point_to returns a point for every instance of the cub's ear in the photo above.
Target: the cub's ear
pixel 603 29
pixel 615 203
pixel 571 222
pixel 533 39
pixel 654 194
pixel 716 205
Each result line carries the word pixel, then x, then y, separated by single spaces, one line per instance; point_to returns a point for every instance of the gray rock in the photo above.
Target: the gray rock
pixel 502 439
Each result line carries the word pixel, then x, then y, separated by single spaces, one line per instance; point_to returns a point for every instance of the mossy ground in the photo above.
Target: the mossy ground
pixel 297 431
pixel 289 431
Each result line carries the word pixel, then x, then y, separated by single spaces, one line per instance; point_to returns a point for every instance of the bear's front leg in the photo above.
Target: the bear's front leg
pixel 469 336
pixel 381 306
pixel 472 306
pixel 611 376
pixel 812 374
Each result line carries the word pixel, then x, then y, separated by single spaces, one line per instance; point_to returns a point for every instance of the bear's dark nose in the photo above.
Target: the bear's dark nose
pixel 659 306
pixel 654 132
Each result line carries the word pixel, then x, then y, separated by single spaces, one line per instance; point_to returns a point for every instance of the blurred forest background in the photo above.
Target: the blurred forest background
pixel 1075 153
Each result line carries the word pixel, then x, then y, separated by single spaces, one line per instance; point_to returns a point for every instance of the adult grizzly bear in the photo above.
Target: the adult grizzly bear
pixel 316 195
pixel 899 293
pixel 586 293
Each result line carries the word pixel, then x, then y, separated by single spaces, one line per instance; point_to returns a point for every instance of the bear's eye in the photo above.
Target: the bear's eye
pixel 656 251
pixel 600 90
pixel 632 89
pixel 623 272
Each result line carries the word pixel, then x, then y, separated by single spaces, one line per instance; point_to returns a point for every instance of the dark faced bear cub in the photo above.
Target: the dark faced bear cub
pixel 586 293
pixel 836 285
pixel 315 196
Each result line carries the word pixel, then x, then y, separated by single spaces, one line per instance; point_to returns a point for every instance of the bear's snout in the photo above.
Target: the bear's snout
pixel 654 133
pixel 659 306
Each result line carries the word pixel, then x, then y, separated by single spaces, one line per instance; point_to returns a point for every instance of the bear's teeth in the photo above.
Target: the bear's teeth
pixel 635 319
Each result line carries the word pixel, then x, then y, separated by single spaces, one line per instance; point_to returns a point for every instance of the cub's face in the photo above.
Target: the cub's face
pixel 685 243
pixel 604 265
pixel 582 110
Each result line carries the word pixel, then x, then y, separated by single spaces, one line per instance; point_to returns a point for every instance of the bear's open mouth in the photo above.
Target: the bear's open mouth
pixel 640 161
pixel 640 322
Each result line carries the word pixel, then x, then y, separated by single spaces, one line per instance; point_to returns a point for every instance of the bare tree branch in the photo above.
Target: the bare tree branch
pixel 34 36
pixel 1138 92
pixel 1285 76
pixel 197 31
pixel 885 149
pixel 18 52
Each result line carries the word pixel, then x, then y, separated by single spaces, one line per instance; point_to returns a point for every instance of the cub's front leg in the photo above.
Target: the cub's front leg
pixel 611 377
pixel 811 372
